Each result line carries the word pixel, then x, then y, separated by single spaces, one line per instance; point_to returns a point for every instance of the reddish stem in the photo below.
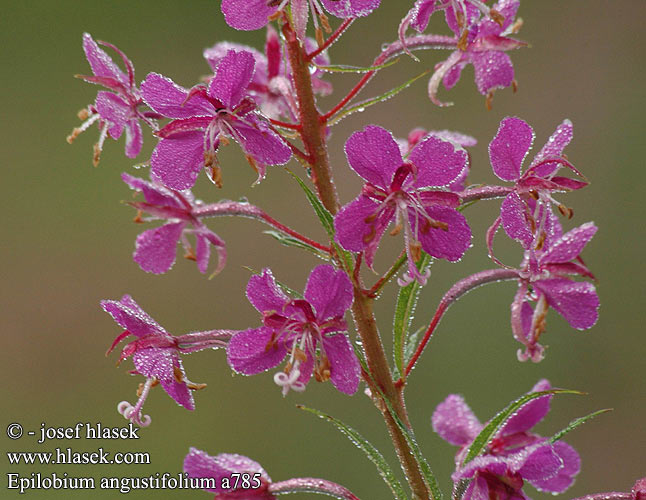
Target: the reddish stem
pixel 395 48
pixel 273 222
pixel 278 123
pixel 331 39
pixel 234 208
pixel 455 292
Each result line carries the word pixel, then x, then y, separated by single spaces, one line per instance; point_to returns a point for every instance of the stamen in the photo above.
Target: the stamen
pixel 133 413
pixel 98 147
pixel 566 211
pixel 367 238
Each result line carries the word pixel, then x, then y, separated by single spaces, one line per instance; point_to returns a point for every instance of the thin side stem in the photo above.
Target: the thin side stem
pixel 484 193
pixel 381 282
pixel 394 49
pixel 331 39
pixel 455 292
pixel 233 208
pixel 312 485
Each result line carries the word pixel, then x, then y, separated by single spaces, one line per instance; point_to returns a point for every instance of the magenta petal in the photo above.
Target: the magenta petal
pixel 513 213
pixel 262 143
pixel 264 294
pixel 576 301
pixel 443 244
pixel 565 476
pixel 153 194
pixel 454 421
pixel 134 138
pixel 345 371
pixel 478 490
pixel 509 147
pixel 350 223
pixel 233 75
pixel 169 99
pixel 161 364
pixel 421 14
pixel 114 110
pixel 247 352
pixel 199 464
pixel 452 76
pixel 493 70
pixel 374 154
pixel 177 161
pixel 539 463
pixel 100 62
pixel 246 15
pixel 155 249
pixel 570 245
pixel 350 8
pixel 330 292
pixel 219 51
pixel 438 162
pixel 553 147
pixel 202 252
pixel 529 414
pixel 130 316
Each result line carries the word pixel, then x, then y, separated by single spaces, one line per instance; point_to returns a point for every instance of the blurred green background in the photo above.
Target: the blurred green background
pixel 67 243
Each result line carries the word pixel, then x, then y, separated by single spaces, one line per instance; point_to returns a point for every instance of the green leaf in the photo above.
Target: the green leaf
pixel 285 288
pixel 290 241
pixel 429 477
pixel 375 100
pixel 575 423
pixel 404 309
pixel 373 454
pixel 411 344
pixel 327 221
pixel 341 68
pixel 486 435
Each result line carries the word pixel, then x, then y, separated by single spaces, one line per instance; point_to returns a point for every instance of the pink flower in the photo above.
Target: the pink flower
pixel 507 152
pixel 296 328
pixel 545 279
pixel 155 354
pixel 482 40
pixel 236 477
pixel 229 468
pixel 271 85
pixel 115 111
pixel 514 456
pixel 204 117
pixel 419 134
pixel 396 189
pixel 254 14
pixel 156 248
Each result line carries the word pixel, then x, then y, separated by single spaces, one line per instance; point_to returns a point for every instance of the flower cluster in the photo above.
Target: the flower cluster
pixel 417 187
pixel 513 456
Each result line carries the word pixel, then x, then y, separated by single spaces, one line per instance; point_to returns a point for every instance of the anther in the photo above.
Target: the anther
pixel 72 137
pixel 489 101
pixel 367 238
pixel 300 355
pixel 566 211
pixel 83 114
pixel 416 251
pixel 190 254
pixel 462 42
pixel 138 219
pixel 97 154
pixel 497 17
pixel 397 229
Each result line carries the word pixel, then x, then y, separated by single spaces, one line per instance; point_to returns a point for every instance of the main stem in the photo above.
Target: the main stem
pixel 313 136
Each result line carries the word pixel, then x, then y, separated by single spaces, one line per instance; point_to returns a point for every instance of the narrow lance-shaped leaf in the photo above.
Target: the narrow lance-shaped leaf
pixel 373 454
pixel 489 431
pixel 411 345
pixel 575 423
pixel 341 68
pixel 375 100
pixel 404 310
pixel 327 221
pixel 290 241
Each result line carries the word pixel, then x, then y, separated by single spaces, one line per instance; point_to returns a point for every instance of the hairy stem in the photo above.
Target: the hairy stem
pixel 312 127
pixel 313 136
